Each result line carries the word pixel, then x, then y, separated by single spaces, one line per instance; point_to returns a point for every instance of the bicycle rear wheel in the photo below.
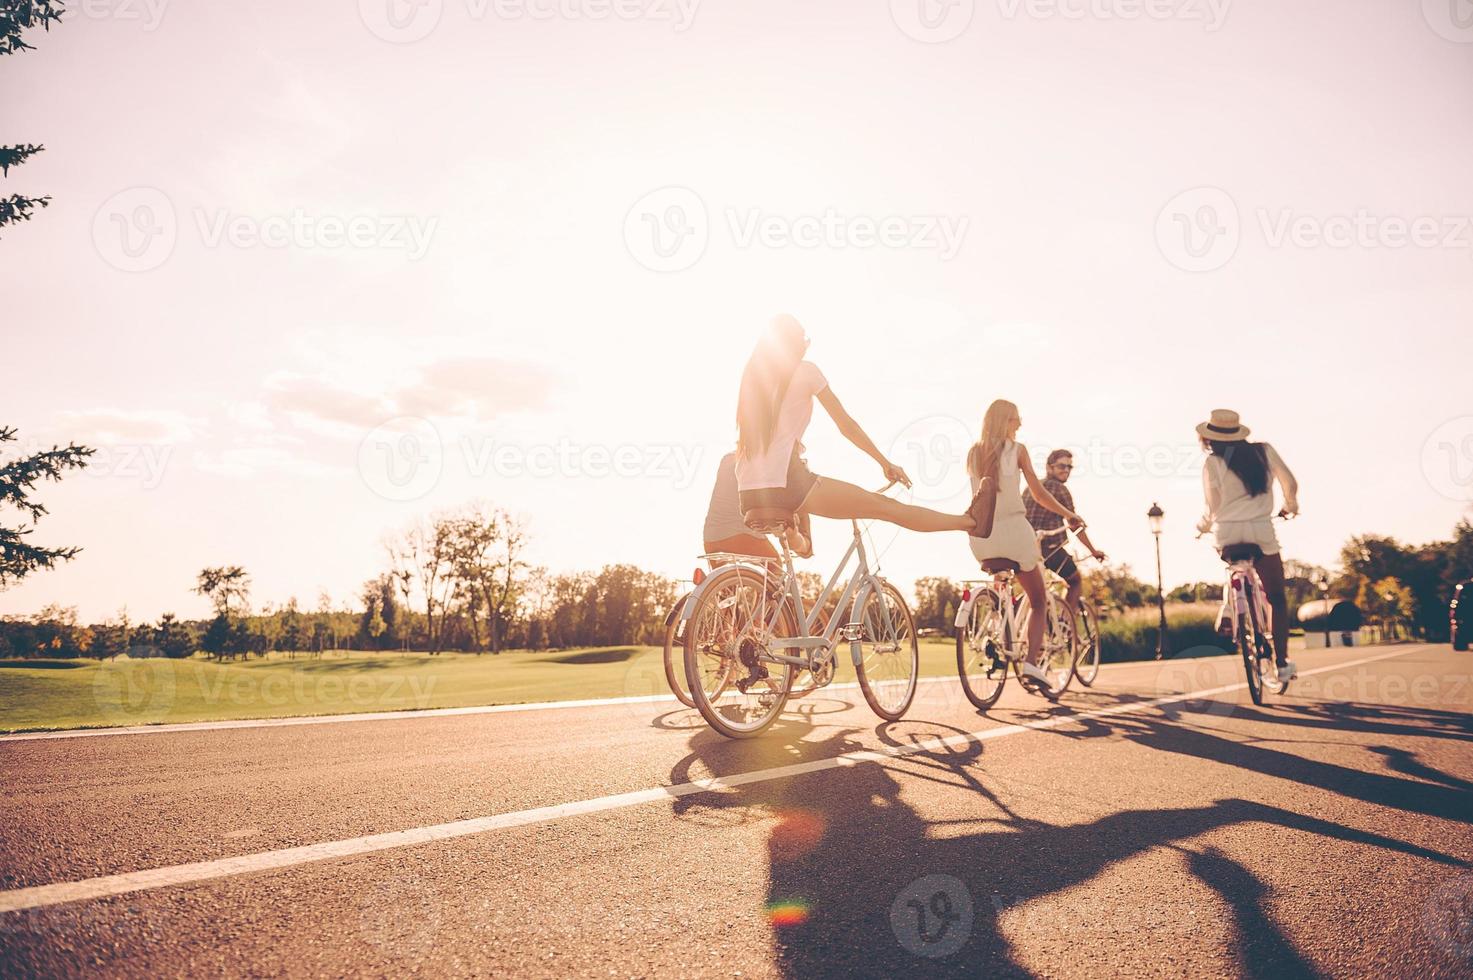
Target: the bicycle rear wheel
pixel 979 658
pixel 1087 667
pixel 1268 671
pixel 675 662
pixel 1250 663
pixel 735 686
pixel 890 655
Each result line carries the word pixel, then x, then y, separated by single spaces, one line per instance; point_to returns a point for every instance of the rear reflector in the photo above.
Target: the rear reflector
pixel 698 576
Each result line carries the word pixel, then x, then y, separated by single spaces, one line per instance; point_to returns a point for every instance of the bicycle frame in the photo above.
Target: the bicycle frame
pixel 1245 599
pixel 1002 587
pixel 818 646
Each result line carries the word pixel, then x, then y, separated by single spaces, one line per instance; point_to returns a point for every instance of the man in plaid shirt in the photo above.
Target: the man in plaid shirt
pixel 1055 556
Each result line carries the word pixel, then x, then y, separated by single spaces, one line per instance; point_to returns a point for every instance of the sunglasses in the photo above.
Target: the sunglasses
pixel 1063 466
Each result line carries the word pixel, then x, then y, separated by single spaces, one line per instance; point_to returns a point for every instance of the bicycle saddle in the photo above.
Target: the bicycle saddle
pixel 1241 552
pixel 996 565
pixel 769 520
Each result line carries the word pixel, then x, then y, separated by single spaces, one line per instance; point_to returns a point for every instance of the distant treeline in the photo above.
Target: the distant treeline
pixel 458 582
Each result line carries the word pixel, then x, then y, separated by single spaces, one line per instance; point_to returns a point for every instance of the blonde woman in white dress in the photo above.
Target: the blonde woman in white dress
pixel 1012 536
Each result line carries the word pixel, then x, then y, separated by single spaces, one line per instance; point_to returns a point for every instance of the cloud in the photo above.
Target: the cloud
pixel 111 426
pixel 317 399
pixel 481 387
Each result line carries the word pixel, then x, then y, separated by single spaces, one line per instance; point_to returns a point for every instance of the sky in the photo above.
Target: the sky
pixel 313 272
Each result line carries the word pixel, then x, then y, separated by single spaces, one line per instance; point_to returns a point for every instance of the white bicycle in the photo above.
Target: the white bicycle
pixel 748 636
pixel 992 637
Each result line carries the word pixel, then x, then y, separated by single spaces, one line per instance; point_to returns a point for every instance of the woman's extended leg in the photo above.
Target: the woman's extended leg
pixel 835 498
pixel 1032 582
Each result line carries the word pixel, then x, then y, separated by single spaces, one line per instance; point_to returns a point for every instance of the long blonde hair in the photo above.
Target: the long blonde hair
pixel 984 455
pixel 765 382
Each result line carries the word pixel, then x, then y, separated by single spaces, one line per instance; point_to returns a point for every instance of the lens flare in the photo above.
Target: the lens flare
pixel 788 912
pixel 795 834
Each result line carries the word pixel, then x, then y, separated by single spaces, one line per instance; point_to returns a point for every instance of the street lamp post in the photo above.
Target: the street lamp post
pixel 1324 584
pixel 1154 515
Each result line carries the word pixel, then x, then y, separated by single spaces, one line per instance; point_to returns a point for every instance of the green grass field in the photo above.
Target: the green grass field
pixel 59 694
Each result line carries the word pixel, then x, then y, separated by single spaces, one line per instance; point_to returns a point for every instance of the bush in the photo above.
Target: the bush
pixel 1132 636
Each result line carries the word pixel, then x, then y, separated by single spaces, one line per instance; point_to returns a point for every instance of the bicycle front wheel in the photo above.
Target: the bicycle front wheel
pixel 890 654
pixel 1087 667
pixel 735 684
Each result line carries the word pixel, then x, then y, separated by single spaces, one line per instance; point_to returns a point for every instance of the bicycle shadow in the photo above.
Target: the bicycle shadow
pixel 854 869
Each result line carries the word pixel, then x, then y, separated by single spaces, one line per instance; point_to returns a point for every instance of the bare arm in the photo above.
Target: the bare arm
pixel 851 430
pixel 1039 491
pixel 1212 495
pixel 1287 483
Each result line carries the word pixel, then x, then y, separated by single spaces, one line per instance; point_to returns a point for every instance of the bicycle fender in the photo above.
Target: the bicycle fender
pixel 964 612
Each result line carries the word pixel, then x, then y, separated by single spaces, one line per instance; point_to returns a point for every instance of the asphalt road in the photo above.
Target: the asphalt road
pixel 1127 831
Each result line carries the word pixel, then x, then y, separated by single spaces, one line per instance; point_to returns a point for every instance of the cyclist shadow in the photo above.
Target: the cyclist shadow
pixel 853 867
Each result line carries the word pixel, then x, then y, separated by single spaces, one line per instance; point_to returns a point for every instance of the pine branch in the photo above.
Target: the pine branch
pixel 17 558
pixel 18 477
pixel 20 15
pixel 17 208
pixel 11 156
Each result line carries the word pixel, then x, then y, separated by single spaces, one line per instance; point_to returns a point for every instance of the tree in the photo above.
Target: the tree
pixel 937 600
pixel 486 562
pixel 18 557
pixel 372 624
pixel 17 16
pixel 220 585
pixel 174 639
pixel 216 641
pixel 423 554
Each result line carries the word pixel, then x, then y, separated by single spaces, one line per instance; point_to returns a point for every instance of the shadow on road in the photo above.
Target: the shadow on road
pixel 860 884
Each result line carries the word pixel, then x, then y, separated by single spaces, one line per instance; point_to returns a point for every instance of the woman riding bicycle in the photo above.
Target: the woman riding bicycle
pixel 1237 482
pixel 773 411
pixel 1012 536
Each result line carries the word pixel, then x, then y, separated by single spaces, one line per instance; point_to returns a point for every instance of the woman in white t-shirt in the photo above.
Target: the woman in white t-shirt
pixel 773 410
pixel 1237 482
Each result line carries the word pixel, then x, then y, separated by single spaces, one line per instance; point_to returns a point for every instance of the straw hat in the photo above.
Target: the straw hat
pixel 1223 426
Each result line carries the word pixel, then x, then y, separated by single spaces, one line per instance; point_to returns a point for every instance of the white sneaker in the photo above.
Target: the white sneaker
pixel 1288 672
pixel 1036 672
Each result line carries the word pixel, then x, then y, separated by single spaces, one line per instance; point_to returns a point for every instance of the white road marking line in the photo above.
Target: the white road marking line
pixel 40 896
pixel 488 709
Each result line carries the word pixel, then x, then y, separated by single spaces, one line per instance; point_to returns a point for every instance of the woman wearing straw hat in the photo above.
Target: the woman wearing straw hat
pixel 1237 481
